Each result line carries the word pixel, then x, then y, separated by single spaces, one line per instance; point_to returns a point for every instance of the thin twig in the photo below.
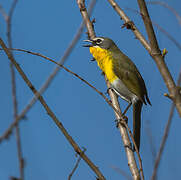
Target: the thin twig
pixel 52 75
pixel 165 136
pixel 51 114
pixel 75 167
pixel 167 34
pixel 128 21
pixel 8 19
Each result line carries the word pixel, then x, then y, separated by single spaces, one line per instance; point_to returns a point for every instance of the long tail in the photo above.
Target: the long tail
pixel 137 122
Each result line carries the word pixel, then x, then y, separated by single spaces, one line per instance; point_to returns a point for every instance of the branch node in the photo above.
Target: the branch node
pixel 129 25
pixel 82 6
pixel 122 121
pixel 153 53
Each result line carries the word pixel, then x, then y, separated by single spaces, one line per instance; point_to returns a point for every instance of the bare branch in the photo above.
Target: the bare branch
pixel 84 13
pixel 8 19
pixel 167 34
pixel 165 136
pixel 75 167
pixel 127 20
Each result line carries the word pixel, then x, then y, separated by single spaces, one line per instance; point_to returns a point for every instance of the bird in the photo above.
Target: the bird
pixel 123 76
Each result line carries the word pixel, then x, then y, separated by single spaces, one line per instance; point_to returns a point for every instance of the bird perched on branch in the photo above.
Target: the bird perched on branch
pixel 123 75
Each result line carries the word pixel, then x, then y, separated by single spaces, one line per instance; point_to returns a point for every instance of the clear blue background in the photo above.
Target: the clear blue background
pixel 48 27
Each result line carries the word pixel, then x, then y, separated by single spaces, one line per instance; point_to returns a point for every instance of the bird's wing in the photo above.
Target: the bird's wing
pixel 127 72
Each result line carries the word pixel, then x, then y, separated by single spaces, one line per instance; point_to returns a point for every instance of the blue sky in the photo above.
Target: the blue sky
pixel 48 28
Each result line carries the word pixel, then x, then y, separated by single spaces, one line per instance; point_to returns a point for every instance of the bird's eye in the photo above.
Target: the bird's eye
pixel 98 41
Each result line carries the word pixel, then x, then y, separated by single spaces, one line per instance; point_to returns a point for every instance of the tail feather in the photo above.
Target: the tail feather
pixel 137 122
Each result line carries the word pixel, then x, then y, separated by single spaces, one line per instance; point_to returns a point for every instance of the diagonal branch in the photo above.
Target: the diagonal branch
pixel 51 114
pixel 8 19
pixel 167 34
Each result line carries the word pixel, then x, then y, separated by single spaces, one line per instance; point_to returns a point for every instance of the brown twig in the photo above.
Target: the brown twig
pixel 51 114
pixel 75 167
pixel 152 48
pixel 126 141
pixel 8 19
pixel 47 83
pixel 165 136
pixel 167 34
pixel 126 19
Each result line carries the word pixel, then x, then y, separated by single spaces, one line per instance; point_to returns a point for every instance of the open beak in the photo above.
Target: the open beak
pixel 88 45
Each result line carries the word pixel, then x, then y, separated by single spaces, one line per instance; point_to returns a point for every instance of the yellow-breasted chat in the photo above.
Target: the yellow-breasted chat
pixel 123 75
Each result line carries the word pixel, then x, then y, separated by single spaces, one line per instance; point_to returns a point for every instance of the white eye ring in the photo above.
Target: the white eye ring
pixel 98 41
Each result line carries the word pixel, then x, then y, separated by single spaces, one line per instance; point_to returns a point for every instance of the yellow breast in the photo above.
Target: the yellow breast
pixel 104 61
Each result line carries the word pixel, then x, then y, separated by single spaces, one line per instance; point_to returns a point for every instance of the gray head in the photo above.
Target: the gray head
pixel 102 42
